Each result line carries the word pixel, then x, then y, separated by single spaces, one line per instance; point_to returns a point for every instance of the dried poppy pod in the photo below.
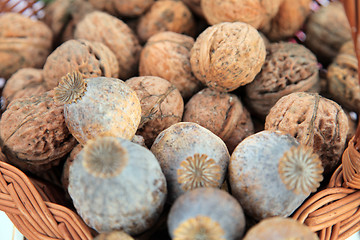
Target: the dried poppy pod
pixel 206 213
pixel 114 235
pixel 66 169
pixel 227 55
pixel 24 83
pixel 33 133
pixel 221 113
pixel 24 42
pixel 167 55
pixel 315 121
pixel 276 228
pixel 117 184
pixel 256 13
pixel 190 157
pixel 164 16
pixel 116 35
pixel 91 59
pixel 289 67
pixel 289 172
pixel 126 8
pixel 161 105
pixel 98 106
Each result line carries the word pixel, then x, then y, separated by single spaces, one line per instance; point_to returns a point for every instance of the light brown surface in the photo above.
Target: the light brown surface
pixel 127 8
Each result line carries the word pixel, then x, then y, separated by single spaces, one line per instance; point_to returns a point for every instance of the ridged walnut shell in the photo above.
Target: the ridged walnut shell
pixel 127 8
pixel 161 105
pixel 164 16
pixel 315 121
pixel 91 59
pixel 288 68
pixel 221 113
pixel 115 235
pixel 24 43
pixel 227 55
pixel 24 83
pixel 167 55
pixel 33 133
pixel 190 157
pixel 116 35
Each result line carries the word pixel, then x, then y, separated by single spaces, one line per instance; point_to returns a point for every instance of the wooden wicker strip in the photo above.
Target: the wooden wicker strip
pixel 35 218
pixel 33 7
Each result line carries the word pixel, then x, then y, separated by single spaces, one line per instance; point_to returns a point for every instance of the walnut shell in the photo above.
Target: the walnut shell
pixel 227 55
pixel 288 20
pixel 348 48
pixel 33 133
pixel 114 235
pixel 327 30
pixel 167 55
pixel 164 16
pixel 23 43
pixel 161 105
pixel 91 59
pixel 315 121
pixel 195 6
pixel 221 113
pixel 24 83
pixel 256 13
pixel 116 35
pixel 289 67
pixel 127 8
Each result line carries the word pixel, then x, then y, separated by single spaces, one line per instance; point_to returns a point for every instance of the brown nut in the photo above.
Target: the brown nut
pixel 167 55
pixel 227 55
pixel 114 235
pixel 164 16
pixel 289 67
pixel 24 43
pixel 221 113
pixel 195 6
pixel 33 133
pixel 127 8
pixel 315 121
pixel 91 59
pixel 24 83
pixel 116 35
pixel 161 105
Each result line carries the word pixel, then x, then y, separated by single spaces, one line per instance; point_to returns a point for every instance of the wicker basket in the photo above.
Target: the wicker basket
pixel 38 210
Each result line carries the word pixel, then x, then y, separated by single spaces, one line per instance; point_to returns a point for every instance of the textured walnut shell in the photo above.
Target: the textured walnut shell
pixel 186 151
pixel 127 8
pixel 348 48
pixel 167 55
pixel 195 6
pixel 116 35
pixel 115 235
pixel 288 20
pixel 161 105
pixel 23 43
pixel 164 16
pixel 223 215
pixel 289 67
pixel 327 30
pixel 131 200
pixel 91 59
pixel 315 121
pixel 24 83
pixel 227 55
pixel 33 133
pixel 221 113
pixel 276 228
pixel 256 13
pixel 343 82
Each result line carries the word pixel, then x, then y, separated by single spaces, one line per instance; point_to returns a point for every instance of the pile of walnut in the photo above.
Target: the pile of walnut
pixel 180 119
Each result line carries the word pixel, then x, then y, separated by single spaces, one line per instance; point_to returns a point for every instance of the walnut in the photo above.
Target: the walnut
pixel 289 67
pixel 91 59
pixel 327 30
pixel 167 55
pixel 127 8
pixel 348 48
pixel 33 133
pixel 313 120
pixel 24 43
pixel 256 13
pixel 288 20
pixel 166 15
pixel 116 35
pixel 227 55
pixel 221 113
pixel 24 83
pixel 195 6
pixel 161 105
